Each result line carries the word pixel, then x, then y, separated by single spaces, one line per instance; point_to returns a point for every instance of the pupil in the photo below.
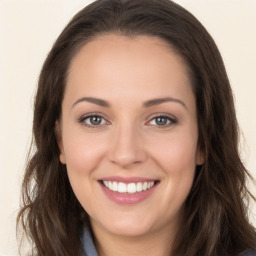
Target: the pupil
pixel 161 120
pixel 95 120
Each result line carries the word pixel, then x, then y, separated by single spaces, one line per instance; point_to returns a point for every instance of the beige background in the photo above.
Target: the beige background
pixel 27 30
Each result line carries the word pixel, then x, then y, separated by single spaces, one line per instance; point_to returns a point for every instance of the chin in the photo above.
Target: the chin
pixel 131 231
pixel 128 227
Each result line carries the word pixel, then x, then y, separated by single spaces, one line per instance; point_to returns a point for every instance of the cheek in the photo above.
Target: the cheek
pixel 177 152
pixel 83 155
pixel 82 152
pixel 176 156
pixel 177 159
pixel 178 163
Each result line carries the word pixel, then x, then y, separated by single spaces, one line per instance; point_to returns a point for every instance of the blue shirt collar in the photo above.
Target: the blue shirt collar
pixel 88 245
pixel 90 250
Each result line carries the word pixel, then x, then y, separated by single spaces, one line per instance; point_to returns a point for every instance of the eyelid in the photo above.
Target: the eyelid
pixel 82 119
pixel 173 120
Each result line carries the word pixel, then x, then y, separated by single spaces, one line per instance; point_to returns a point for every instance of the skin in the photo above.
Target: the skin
pixel 127 72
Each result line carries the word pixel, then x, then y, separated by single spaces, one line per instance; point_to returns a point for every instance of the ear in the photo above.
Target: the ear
pixel 199 156
pixel 58 134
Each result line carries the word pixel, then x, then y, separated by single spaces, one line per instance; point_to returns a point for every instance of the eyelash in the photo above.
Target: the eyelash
pixel 83 119
pixel 170 119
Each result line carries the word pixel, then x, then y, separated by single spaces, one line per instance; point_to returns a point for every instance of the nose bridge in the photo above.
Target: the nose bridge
pixel 127 146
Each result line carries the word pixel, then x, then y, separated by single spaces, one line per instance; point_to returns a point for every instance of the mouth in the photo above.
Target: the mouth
pixel 129 188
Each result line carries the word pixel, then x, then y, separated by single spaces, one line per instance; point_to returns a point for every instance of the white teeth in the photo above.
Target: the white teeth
pixel 110 185
pixel 145 186
pixel 139 187
pixel 130 188
pixel 122 188
pixel 150 185
pixel 115 186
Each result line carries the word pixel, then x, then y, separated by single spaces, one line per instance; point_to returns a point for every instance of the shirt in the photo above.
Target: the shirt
pixel 90 250
pixel 88 245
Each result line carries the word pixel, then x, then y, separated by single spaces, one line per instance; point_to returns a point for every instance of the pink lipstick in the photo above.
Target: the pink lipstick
pixel 130 190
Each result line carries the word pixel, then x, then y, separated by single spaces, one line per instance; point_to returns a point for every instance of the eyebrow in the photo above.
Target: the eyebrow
pixel 146 104
pixel 154 102
pixel 96 101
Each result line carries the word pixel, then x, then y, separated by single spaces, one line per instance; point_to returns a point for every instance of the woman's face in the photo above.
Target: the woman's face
pixel 128 134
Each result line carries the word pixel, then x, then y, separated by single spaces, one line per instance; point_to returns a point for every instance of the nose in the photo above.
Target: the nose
pixel 127 147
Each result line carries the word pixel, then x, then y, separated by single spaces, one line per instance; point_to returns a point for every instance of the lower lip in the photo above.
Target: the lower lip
pixel 126 198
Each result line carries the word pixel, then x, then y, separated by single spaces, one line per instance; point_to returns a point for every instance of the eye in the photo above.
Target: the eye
pixel 162 121
pixel 93 120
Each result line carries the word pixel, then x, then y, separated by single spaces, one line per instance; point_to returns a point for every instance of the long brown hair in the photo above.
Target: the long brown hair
pixel 215 220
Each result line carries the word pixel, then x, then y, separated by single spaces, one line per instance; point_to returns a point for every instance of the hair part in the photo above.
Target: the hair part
pixel 215 220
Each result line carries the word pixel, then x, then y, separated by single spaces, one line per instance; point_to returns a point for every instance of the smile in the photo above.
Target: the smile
pixel 129 188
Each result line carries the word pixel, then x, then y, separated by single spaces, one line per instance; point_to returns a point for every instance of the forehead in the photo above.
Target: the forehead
pixel 110 43
pixel 140 65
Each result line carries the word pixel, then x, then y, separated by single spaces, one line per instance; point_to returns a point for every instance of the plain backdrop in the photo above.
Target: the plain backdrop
pixel 28 28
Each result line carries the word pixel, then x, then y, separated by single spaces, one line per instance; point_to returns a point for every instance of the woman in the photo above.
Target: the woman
pixel 136 140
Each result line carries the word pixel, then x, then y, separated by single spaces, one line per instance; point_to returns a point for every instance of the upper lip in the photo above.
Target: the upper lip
pixel 127 179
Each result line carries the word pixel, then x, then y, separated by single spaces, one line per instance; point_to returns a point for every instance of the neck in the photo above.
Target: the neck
pixel 157 243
